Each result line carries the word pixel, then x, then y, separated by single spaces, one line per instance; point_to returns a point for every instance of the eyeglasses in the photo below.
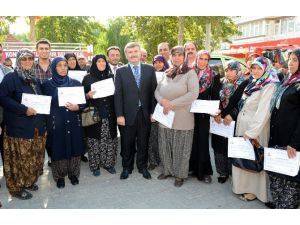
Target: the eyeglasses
pixel 205 59
pixel 26 59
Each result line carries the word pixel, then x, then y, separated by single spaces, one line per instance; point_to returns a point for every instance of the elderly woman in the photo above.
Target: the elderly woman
pixel 63 126
pixel 253 123
pixel 230 83
pixel 176 92
pixel 209 88
pixel 101 137
pixel 161 65
pixel 285 132
pixel 24 133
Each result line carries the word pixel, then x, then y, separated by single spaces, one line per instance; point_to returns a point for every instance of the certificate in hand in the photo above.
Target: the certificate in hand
pixel 159 76
pixel 40 103
pixel 205 106
pixel 221 129
pixel 103 88
pixel 166 120
pixel 77 74
pixel 278 161
pixel 74 95
pixel 239 148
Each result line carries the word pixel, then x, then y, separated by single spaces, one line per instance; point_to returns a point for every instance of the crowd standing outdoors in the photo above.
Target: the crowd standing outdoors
pixel 264 102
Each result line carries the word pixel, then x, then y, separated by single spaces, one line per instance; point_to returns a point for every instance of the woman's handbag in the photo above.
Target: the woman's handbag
pixel 254 166
pixel 90 116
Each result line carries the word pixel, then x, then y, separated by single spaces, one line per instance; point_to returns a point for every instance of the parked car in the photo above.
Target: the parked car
pixel 218 63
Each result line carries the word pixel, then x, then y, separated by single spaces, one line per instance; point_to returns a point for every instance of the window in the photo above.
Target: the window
pixel 217 65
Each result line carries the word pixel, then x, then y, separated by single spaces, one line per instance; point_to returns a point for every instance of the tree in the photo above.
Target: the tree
pixel 69 29
pixel 4 26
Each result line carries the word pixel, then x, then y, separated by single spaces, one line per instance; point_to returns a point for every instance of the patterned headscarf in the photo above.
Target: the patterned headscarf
pixel 58 80
pixel 269 76
pixel 206 75
pixel 163 60
pixel 106 73
pixel 229 86
pixel 69 55
pixel 293 78
pixel 27 76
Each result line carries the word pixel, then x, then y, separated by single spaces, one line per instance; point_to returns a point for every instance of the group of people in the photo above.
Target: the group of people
pixel 264 108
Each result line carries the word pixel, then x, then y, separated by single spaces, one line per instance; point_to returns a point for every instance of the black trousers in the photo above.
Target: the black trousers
pixel 1 145
pixel 134 138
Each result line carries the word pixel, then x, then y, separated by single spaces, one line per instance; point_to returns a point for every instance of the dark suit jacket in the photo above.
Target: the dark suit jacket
pixel 127 94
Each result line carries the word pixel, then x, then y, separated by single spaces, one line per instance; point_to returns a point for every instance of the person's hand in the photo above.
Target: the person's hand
pixel 0 130
pixel 218 119
pixel 291 152
pixel 72 107
pixel 91 94
pixel 246 137
pixel 121 120
pixel 30 112
pixel 227 120
pixel 151 118
pixel 167 105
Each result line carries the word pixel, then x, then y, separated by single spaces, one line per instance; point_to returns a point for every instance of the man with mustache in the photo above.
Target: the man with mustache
pixel 191 51
pixel 135 84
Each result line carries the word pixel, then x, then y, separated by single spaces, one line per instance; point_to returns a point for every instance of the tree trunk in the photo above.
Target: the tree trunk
pixel 180 30
pixel 207 36
pixel 32 28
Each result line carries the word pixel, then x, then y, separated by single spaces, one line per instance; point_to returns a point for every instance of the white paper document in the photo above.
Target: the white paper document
pixel 166 120
pixel 205 106
pixel 103 88
pixel 239 148
pixel 221 129
pixel 74 95
pixel 277 160
pixel 40 103
pixel 159 76
pixel 77 74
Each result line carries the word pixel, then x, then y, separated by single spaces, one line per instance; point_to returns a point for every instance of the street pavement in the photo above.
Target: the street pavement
pixel 109 192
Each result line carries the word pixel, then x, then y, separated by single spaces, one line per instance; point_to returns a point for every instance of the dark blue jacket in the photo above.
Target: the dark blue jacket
pixel 63 126
pixel 15 120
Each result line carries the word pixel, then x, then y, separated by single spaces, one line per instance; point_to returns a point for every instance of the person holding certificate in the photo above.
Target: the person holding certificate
pixel 63 126
pixel 209 87
pixel 24 132
pixel 176 92
pixel 285 132
pixel 101 138
pixel 232 80
pixel 253 123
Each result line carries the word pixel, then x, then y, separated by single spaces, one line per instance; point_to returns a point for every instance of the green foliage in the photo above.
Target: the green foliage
pixel 69 29
pixel 4 26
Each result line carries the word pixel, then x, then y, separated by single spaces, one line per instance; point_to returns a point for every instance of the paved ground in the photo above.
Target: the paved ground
pixel 109 192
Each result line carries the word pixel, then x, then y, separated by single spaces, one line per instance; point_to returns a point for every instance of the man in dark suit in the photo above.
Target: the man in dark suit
pixel 135 84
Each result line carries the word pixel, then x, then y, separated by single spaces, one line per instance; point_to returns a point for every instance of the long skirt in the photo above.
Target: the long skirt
pixel 22 161
pixel 64 167
pixel 102 152
pixel 175 148
pixel 222 162
pixel 248 182
pixel 285 193
pixel 153 154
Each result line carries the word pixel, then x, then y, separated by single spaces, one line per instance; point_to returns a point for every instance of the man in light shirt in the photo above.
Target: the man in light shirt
pixel 114 56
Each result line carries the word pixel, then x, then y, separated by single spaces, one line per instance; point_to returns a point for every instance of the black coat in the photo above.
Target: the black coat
pixel 105 107
pixel 127 94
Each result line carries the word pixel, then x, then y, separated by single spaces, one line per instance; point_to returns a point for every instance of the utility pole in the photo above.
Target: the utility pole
pixel 180 30
pixel 207 36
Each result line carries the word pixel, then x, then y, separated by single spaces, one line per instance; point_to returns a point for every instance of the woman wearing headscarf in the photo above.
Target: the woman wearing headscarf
pixel 177 91
pixel 209 88
pixel 63 126
pixel 161 65
pixel 230 83
pixel 101 137
pixel 253 122
pixel 285 132
pixel 73 64
pixel 24 132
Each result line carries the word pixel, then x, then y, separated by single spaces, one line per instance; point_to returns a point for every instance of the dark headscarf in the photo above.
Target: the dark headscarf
pixel 69 55
pixel 173 71
pixel 58 80
pixel 163 60
pixel 27 76
pixel 106 73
